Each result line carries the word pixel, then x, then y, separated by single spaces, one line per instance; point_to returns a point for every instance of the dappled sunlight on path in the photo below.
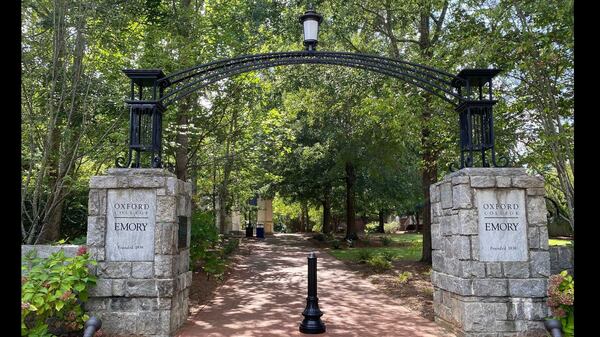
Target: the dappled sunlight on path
pixel 266 294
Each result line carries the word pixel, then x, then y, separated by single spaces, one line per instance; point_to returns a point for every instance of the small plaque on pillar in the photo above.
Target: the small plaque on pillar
pixel 182 237
pixel 502 225
pixel 130 225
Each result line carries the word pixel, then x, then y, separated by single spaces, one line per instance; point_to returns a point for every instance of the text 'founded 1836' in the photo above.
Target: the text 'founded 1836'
pixel 130 225
pixel 502 225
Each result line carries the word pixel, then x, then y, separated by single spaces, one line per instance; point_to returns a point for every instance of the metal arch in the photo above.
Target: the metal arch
pixel 183 83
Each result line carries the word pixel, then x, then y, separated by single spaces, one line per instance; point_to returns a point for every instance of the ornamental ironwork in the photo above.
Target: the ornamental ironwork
pixel 152 92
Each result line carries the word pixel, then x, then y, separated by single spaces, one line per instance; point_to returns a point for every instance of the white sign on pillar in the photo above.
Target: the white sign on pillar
pixel 502 225
pixel 130 225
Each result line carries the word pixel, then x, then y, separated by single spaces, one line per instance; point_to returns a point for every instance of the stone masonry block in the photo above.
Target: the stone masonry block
pixel 172 186
pixel 516 269
pixel 493 269
pixel 446 195
pixel 446 224
pixel 462 247
pixel 470 269
pixel 478 316
pixel 96 231
pixel 163 266
pixel 533 237
pixel 154 304
pixel 123 304
pixel 436 236
pixel 103 182
pixel 503 182
pixel 543 237
pixel 527 287
pixel 142 270
pixel 434 193
pixel 97 202
pixel 468 222
pixel 527 309
pixel 483 181
pixel 187 188
pixel 536 210
pixel 141 287
pixel 460 180
pixel 565 258
pixel 119 287
pixel 122 323
pixel 490 287
pixel 148 323
pixel 114 269
pixel 103 288
pixel 145 182
pixel 96 304
pixel 462 196
pixel 97 253
pixel 166 287
pixel 536 191
pixel 436 210
pixel 166 209
pixel 164 239
pixel 527 181
pixel 475 247
pixel 539 263
pixel 451 283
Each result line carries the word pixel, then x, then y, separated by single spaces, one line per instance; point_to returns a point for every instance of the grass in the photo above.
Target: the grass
pixel 560 242
pixel 407 247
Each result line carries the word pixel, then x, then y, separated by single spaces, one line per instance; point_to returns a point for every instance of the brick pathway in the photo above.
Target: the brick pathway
pixel 266 294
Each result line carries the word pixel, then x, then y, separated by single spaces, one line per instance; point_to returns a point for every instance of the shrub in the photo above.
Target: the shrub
pixel 230 246
pixel 213 264
pixel 371 227
pixel 364 255
pixel 53 290
pixel 204 235
pixel 319 237
pixel 335 244
pixel 391 227
pixel 387 255
pixel 404 277
pixel 386 240
pixel 379 263
pixel 561 292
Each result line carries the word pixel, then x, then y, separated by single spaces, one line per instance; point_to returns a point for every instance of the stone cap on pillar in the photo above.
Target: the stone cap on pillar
pixel 140 172
pixel 489 171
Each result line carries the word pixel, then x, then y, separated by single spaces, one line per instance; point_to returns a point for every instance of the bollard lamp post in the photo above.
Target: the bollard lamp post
pixel 312 323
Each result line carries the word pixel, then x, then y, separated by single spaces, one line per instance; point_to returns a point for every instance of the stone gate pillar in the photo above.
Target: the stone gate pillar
pixel 139 232
pixel 490 252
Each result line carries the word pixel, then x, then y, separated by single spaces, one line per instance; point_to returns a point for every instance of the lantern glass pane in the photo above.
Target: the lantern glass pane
pixel 311 30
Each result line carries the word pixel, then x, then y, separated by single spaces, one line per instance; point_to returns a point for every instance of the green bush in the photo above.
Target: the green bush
pixel 53 290
pixel 364 255
pixel 204 235
pixel 391 227
pixel 372 227
pixel 335 244
pixel 386 240
pixel 387 255
pixel 213 264
pixel 230 246
pixel 561 297
pixel 404 277
pixel 379 263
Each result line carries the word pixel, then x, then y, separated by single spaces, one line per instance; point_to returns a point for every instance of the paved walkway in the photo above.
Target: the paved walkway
pixel 266 294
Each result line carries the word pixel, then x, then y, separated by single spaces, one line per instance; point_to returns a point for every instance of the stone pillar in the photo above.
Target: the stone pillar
pixel 139 232
pixel 490 252
pixel 265 214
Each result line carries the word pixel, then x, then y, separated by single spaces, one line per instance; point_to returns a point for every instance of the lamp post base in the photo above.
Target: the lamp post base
pixel 312 326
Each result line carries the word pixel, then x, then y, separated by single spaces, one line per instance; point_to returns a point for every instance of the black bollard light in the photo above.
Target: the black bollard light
pixel 91 326
pixel 312 314
pixel 554 327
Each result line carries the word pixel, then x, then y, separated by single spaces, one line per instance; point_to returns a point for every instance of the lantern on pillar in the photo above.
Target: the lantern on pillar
pixel 145 119
pixel 476 118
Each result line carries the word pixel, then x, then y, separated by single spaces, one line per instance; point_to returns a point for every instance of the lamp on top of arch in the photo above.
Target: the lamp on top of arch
pixel 310 21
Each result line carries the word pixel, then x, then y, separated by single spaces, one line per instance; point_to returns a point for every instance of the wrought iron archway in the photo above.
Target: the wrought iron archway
pixel 152 92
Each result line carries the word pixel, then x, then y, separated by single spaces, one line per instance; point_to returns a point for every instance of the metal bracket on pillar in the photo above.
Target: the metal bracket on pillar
pixel 312 323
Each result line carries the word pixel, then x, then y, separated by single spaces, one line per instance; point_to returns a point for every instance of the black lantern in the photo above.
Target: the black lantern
pixel 145 119
pixel 476 117
pixel 310 22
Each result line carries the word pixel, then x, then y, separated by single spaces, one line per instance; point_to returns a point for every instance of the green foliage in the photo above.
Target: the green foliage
pixel 51 291
pixel 386 240
pixel 81 240
pixel 388 255
pixel 204 235
pixel 335 244
pixel 319 237
pixel 379 263
pixel 364 255
pixel 213 264
pixel 391 227
pixel 230 246
pixel 561 297
pixel 404 277
pixel 372 227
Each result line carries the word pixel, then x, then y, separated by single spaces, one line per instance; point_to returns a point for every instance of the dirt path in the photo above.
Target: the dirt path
pixel 266 294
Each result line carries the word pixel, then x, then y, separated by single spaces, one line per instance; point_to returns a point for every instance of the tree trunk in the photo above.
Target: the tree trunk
pixel 417 221
pixel 381 228
pixel 327 209
pixel 350 202
pixel 181 152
